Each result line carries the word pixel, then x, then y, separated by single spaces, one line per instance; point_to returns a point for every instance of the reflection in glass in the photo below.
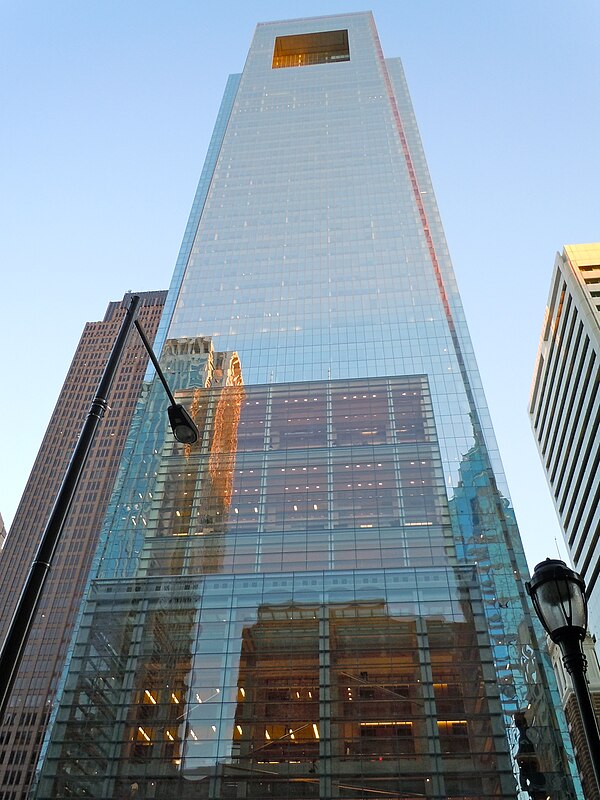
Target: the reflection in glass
pixel 324 596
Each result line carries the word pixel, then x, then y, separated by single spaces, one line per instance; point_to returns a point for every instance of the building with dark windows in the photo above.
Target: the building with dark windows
pixel 35 688
pixel 565 409
pixel 323 597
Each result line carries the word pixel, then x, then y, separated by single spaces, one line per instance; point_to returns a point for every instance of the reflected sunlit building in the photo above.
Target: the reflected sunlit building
pixel 323 597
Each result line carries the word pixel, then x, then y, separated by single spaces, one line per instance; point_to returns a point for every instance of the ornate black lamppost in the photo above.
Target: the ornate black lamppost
pixel 184 430
pixel 558 596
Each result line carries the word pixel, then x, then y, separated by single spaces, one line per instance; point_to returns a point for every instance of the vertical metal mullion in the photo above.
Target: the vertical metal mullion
pixel 329 476
pixel 434 753
pixel 326 787
pixel 264 465
pixel 402 540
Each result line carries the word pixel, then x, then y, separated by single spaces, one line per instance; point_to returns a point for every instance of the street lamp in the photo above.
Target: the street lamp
pixel 184 430
pixel 558 596
pixel 183 426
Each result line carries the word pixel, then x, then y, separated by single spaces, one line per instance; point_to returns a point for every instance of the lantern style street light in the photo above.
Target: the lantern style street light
pixel 558 596
pixel 185 431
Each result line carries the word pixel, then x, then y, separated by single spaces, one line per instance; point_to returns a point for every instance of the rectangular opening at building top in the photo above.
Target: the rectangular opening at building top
pixel 305 49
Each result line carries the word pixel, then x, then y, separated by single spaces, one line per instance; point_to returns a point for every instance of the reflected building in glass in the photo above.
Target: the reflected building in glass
pixel 323 597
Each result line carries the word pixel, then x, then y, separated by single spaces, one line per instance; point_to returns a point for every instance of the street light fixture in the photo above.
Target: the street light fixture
pixel 184 430
pixel 182 425
pixel 558 596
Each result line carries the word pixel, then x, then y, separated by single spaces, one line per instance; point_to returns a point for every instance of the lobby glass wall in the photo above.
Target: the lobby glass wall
pixel 281 611
pixel 285 685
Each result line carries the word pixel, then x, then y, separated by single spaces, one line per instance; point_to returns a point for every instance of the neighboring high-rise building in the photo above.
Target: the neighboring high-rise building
pixel 324 596
pixel 565 409
pixel 36 683
pixel 2 532
pixel 591 789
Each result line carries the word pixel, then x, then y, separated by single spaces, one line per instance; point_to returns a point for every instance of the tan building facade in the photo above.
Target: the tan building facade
pixel 565 409
pixel 569 703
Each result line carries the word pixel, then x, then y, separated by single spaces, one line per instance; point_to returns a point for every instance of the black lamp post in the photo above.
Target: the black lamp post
pixel 184 430
pixel 558 596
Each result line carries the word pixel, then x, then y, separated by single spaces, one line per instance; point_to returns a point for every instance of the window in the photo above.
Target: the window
pixel 306 49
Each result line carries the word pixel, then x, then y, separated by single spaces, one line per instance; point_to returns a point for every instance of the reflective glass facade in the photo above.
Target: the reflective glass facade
pixel 324 597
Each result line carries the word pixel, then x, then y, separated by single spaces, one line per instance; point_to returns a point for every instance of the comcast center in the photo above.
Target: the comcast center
pixel 323 597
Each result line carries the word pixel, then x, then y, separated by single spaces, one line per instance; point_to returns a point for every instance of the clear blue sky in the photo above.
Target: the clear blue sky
pixel 107 108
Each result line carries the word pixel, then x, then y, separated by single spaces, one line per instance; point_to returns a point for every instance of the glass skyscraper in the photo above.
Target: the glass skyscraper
pixel 324 597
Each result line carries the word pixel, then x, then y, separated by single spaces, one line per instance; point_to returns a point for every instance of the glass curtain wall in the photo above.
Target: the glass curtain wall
pixel 324 597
